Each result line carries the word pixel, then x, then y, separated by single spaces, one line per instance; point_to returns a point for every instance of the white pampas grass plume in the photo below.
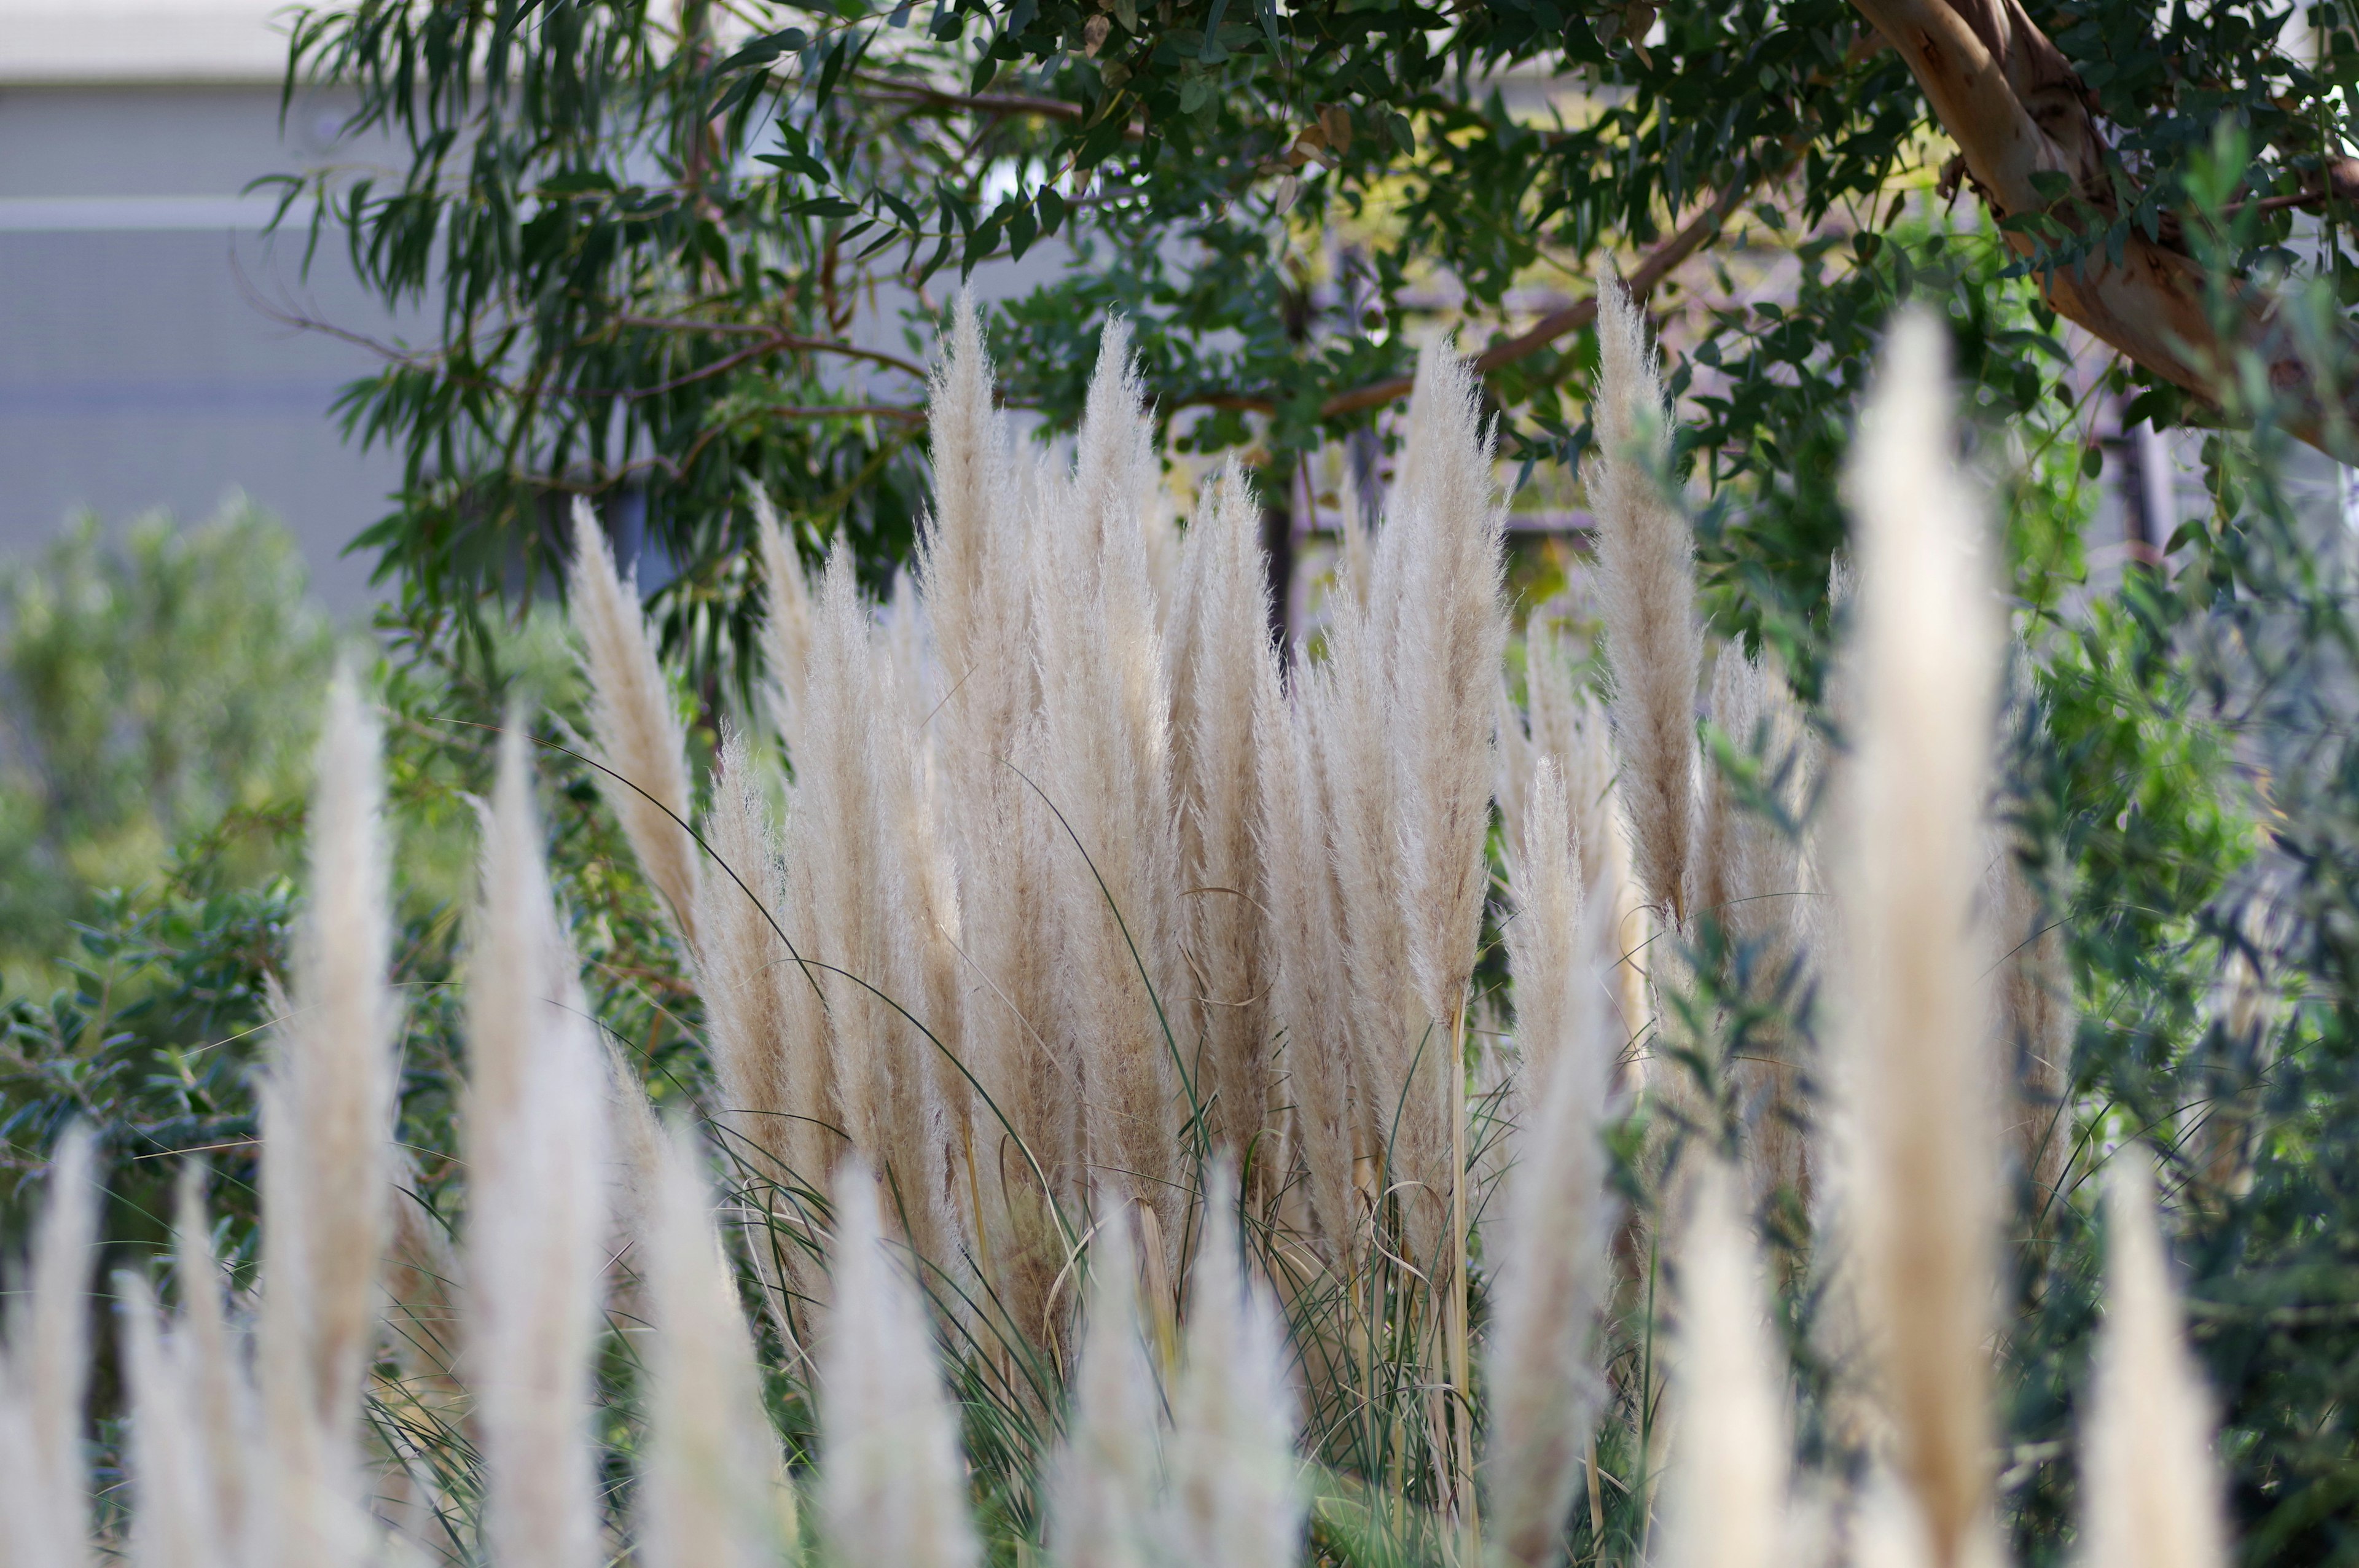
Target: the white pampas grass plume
pixel 975 567
pixel 175 1521
pixel 1918 1048
pixel 1312 993
pixel 223 1393
pixel 766 1024
pixel 710 1481
pixel 327 1119
pixel 787 623
pixel 1236 1493
pixel 45 1374
pixel 1439 575
pixel 891 1485
pixel 637 731
pixel 1646 568
pixel 1224 684
pixel 1105 743
pixel 1554 1239
pixel 2150 1487
pixel 536 1150
pixel 1724 1499
pixel 1105 1482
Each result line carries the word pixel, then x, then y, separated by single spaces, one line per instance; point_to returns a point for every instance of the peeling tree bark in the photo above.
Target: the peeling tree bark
pixel 2013 105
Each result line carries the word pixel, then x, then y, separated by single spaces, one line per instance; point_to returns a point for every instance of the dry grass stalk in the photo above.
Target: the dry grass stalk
pixel 1105 746
pixel 1646 567
pixel 767 1028
pixel 1917 1027
pixel 1236 1494
pixel 891 1485
pixel 859 845
pixel 1225 682
pixel 327 1124
pixel 1553 1240
pixel 175 1521
pixel 1725 1499
pixel 786 621
pixel 44 1373
pixel 975 567
pixel 2150 1487
pixel 1310 996
pixel 1751 880
pixel 2035 996
pixel 1568 724
pixel 638 731
pixel 1403 731
pixel 1106 1481
pixel 712 1480
pixel 536 1144
pixel 223 1394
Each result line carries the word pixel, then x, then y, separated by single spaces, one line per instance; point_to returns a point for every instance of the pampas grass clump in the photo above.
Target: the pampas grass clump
pixel 1096 1156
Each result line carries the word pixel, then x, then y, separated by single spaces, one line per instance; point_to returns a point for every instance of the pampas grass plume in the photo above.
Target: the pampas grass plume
pixel 711 1482
pixel 45 1374
pixel 1725 1499
pixel 175 1522
pixel 1104 1480
pixel 632 719
pixel 891 1485
pixel 1919 1048
pixel 536 1230
pixel 1646 567
pixel 1236 1495
pixel 1553 1241
pixel 2150 1487
pixel 328 1113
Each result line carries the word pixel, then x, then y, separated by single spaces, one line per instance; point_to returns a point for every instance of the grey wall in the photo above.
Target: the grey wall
pixel 140 365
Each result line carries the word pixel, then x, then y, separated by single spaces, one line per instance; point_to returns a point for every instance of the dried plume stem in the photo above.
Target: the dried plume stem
pixel 1646 565
pixel 632 721
pixel 1917 1036
pixel 2151 1493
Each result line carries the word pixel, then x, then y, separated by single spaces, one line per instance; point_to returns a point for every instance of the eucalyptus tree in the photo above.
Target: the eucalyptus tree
pixel 663 247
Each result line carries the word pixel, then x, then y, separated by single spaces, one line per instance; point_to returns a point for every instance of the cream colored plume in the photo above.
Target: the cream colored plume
pixel 536 1141
pixel 174 1521
pixel 857 844
pixel 1224 684
pixel 767 1027
pixel 785 622
pixel 1403 728
pixel 1917 1054
pixel 1106 1481
pixel 892 1489
pixel 1646 568
pixel 1553 1244
pixel 712 1480
pixel 1105 742
pixel 1724 1500
pixel 224 1394
pixel 45 1374
pixel 1439 568
pixel 1310 998
pixel 2150 1486
pixel 638 732
pixel 1236 1487
pixel 975 569
pixel 326 1126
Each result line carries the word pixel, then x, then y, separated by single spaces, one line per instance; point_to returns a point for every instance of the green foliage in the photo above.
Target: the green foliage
pixel 160 689
pixel 661 222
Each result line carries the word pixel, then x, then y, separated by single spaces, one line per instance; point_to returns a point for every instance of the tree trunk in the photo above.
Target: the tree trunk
pixel 2011 101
